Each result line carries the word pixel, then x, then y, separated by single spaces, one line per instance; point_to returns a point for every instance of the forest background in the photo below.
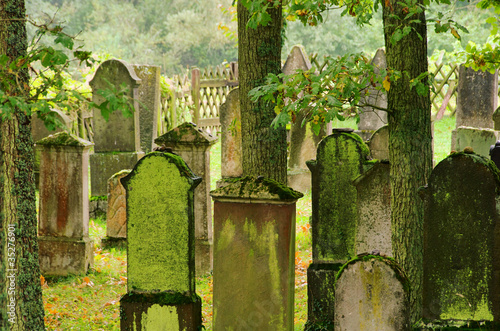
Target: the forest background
pixel 181 34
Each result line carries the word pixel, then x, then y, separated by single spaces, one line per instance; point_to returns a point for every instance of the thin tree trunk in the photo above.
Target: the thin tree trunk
pixel 21 305
pixel 259 53
pixel 410 149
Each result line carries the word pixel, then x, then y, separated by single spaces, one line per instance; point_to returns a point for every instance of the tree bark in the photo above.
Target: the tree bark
pixel 259 53
pixel 19 269
pixel 410 149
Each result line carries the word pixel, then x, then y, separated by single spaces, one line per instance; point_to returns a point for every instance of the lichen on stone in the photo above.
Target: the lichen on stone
pixel 63 139
pixel 255 188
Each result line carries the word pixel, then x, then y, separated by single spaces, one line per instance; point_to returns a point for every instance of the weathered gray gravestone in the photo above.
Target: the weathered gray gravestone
pixel 478 139
pixel 254 254
pixel 63 228
pixel 461 240
pixel 117 141
pixel 379 143
pixel 193 145
pixel 303 141
pixel 373 232
pixel 370 117
pixel 161 291
pixel 372 293
pixel 230 121
pixel 340 159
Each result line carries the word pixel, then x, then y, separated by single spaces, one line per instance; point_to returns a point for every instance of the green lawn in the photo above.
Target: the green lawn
pixel 91 302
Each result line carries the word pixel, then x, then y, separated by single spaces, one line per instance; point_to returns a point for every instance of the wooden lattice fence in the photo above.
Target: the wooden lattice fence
pixel 176 103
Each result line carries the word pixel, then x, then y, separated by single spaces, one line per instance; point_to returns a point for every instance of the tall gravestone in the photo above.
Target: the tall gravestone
pixel 161 292
pixel 371 118
pixel 340 159
pixel 372 293
pixel 63 227
pixel 462 240
pixel 230 137
pixel 117 140
pixel 477 99
pixel 254 254
pixel 303 141
pixel 193 145
pixel 373 232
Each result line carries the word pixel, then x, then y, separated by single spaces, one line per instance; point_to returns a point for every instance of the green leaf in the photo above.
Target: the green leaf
pixel 64 40
pixel 396 36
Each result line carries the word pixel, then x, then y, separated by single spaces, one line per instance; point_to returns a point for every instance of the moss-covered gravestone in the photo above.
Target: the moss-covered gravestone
pixel 63 227
pixel 193 145
pixel 462 240
pixel 372 294
pixel 160 234
pixel 254 255
pixel 340 159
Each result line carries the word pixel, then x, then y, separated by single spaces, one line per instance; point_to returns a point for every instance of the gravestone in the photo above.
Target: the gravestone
pixel 193 145
pixel 372 293
pixel 373 232
pixel 148 95
pixel 116 216
pixel 254 254
pixel 117 140
pixel 495 154
pixel 371 118
pixel 478 139
pixel 161 291
pixel 496 119
pixel 63 227
pixel 303 141
pixel 340 159
pixel 461 240
pixel 230 121
pixel 379 143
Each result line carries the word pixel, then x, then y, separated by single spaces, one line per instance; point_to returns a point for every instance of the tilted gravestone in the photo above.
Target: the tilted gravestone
pixel 117 140
pixel 230 121
pixel 63 227
pixel 461 240
pixel 193 145
pixel 254 254
pixel 372 293
pixel 116 215
pixel 371 118
pixel 161 291
pixel 340 159
pixel 373 232
pixel 303 141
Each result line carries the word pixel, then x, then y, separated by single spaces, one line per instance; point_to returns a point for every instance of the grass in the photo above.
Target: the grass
pixel 91 302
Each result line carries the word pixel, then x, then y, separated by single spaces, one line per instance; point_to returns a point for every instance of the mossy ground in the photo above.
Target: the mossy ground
pixel 91 302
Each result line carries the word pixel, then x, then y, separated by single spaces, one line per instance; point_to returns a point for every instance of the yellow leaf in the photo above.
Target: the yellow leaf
pixel 455 33
pixel 386 83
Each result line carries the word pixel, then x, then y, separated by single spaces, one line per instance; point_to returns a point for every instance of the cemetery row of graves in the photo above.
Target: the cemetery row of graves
pixel 175 235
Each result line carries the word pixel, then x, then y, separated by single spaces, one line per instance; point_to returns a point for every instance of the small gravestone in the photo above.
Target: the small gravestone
pixel 303 141
pixel 477 98
pixel 230 121
pixel 379 143
pixel 340 159
pixel 372 293
pixel 461 240
pixel 478 139
pixel 116 216
pixel 193 145
pixel 63 227
pixel 371 118
pixel 254 254
pixel 160 256
pixel 373 232
pixel 117 140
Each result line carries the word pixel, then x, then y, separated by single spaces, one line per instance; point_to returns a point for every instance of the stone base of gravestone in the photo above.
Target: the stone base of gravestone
pixel 372 293
pixel 479 139
pixel 320 294
pixel 160 311
pixel 299 179
pixel 105 165
pixel 254 245
pixel 109 242
pixel 60 256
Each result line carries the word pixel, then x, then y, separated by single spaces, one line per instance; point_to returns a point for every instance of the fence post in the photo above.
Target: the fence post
pixel 195 92
pixel 234 70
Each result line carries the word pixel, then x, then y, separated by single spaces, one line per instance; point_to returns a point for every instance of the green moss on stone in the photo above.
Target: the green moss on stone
pixel 63 139
pixel 257 188
pixel 160 318
pixel 98 198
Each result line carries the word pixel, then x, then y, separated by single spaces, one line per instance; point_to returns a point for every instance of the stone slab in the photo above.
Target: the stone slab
pixel 61 256
pixel 479 139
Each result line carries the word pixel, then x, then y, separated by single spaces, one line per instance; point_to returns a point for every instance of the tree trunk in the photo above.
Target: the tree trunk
pixel 410 149
pixel 21 305
pixel 259 53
